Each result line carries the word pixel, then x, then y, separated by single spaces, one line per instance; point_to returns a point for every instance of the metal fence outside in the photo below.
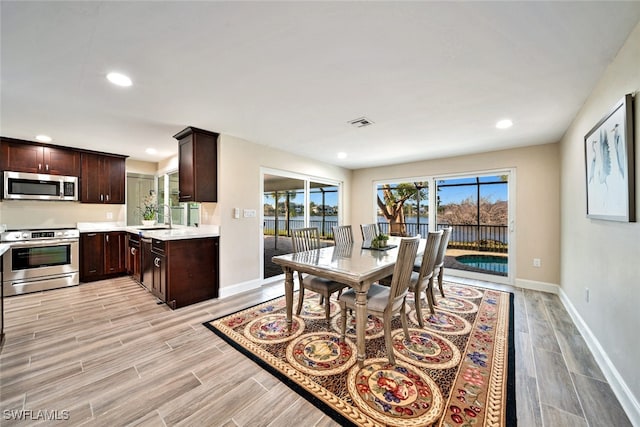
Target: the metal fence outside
pixel 491 238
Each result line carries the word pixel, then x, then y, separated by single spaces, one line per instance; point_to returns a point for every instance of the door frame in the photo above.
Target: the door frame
pixel 307 179
pixel 511 221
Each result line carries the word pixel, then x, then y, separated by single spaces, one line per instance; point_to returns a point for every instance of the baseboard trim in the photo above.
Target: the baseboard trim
pixel 538 286
pixel 626 398
pixel 238 288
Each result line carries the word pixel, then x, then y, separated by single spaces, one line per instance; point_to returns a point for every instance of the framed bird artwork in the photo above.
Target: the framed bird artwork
pixel 609 160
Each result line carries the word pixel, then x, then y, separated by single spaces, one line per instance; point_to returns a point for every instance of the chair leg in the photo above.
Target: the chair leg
pixel 440 275
pixel 387 337
pixel 403 319
pixel 429 292
pixel 327 308
pixel 343 319
pixel 300 297
pixel 417 300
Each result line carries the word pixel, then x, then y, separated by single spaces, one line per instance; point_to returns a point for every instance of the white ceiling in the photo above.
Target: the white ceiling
pixel 434 77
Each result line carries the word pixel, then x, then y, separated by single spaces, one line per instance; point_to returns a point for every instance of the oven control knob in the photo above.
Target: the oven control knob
pixel 25 235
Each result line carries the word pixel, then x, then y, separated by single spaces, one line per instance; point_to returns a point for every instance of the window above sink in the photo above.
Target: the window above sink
pixel 168 194
pixel 165 186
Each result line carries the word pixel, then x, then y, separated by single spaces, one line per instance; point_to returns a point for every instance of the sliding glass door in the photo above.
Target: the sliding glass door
pixel 293 201
pixel 475 205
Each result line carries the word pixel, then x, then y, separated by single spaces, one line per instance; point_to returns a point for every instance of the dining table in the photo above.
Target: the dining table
pixel 356 265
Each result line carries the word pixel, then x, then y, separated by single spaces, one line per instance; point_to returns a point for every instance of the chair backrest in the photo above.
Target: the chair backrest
pixel 430 254
pixel 342 234
pixel 444 242
pixel 403 269
pixel 369 231
pixel 305 239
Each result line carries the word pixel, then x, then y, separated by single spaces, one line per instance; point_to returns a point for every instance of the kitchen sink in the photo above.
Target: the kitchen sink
pixel 152 228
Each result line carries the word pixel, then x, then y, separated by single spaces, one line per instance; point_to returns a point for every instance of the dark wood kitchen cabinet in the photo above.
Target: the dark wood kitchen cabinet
pixel 197 165
pixel 146 263
pixel 159 275
pixel 102 255
pixel 24 156
pixel 154 267
pixel 102 179
pixel 181 272
pixel 133 258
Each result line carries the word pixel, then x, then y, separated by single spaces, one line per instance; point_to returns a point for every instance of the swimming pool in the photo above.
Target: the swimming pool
pixel 497 264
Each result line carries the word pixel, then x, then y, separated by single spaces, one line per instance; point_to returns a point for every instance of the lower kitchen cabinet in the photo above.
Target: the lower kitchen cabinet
pixel 146 263
pixel 159 283
pixel 133 258
pixel 102 255
pixel 181 272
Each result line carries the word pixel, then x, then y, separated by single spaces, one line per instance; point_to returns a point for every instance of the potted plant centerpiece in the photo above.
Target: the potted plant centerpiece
pixel 380 241
pixel 149 209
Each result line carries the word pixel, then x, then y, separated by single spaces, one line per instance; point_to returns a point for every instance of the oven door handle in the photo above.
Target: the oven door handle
pixel 36 243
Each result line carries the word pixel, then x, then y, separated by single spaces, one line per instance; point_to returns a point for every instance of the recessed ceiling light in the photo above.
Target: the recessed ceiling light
pixel 504 124
pixel 151 151
pixel 44 138
pixel 119 79
pixel 342 155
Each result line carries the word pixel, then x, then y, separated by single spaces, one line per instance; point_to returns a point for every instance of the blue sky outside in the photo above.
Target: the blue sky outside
pixel 331 198
pixel 493 192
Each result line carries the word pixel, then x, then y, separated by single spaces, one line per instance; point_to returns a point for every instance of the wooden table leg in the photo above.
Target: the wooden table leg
pixel 288 292
pixel 361 324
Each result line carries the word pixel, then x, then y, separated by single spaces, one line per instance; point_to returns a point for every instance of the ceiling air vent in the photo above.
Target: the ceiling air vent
pixel 361 122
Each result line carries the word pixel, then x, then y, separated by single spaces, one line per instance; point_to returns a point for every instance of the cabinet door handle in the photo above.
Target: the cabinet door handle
pixel 107 197
pixel 39 166
pixel 46 167
pixel 107 237
pixel 101 197
pixel 156 262
pixel 133 251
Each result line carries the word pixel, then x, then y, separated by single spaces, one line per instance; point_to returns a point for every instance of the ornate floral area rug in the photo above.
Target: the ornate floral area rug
pixel 457 370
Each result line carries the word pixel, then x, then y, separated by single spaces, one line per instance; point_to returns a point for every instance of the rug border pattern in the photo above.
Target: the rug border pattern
pixel 496 412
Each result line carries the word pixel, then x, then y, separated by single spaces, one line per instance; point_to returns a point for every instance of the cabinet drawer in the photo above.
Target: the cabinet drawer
pixel 158 246
pixel 134 239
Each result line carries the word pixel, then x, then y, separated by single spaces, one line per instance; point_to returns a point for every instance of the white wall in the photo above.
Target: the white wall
pixel 537 201
pixel 19 214
pixel 30 213
pixel 239 184
pixel 604 256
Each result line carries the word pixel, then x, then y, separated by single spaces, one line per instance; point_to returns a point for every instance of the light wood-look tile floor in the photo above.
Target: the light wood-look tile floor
pixel 106 354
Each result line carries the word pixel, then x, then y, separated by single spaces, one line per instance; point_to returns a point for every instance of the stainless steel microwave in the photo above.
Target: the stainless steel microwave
pixel 35 186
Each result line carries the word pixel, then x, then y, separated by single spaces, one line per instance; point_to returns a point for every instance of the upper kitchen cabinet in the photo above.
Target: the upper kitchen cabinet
pixel 24 156
pixel 102 179
pixel 197 165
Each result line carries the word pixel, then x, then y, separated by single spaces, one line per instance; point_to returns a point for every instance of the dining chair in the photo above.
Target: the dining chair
pixel 343 235
pixel 306 239
pixel 438 268
pixel 420 279
pixel 384 301
pixel 369 231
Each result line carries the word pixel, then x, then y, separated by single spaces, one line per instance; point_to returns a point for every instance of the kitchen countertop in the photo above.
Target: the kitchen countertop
pixel 4 247
pixel 175 233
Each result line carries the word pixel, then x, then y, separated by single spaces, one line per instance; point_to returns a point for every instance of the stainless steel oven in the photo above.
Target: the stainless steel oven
pixel 40 259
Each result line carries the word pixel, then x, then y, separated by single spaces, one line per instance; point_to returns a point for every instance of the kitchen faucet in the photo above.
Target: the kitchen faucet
pixel 170 219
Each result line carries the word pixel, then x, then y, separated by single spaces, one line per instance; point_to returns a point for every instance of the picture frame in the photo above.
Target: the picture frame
pixel 609 165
